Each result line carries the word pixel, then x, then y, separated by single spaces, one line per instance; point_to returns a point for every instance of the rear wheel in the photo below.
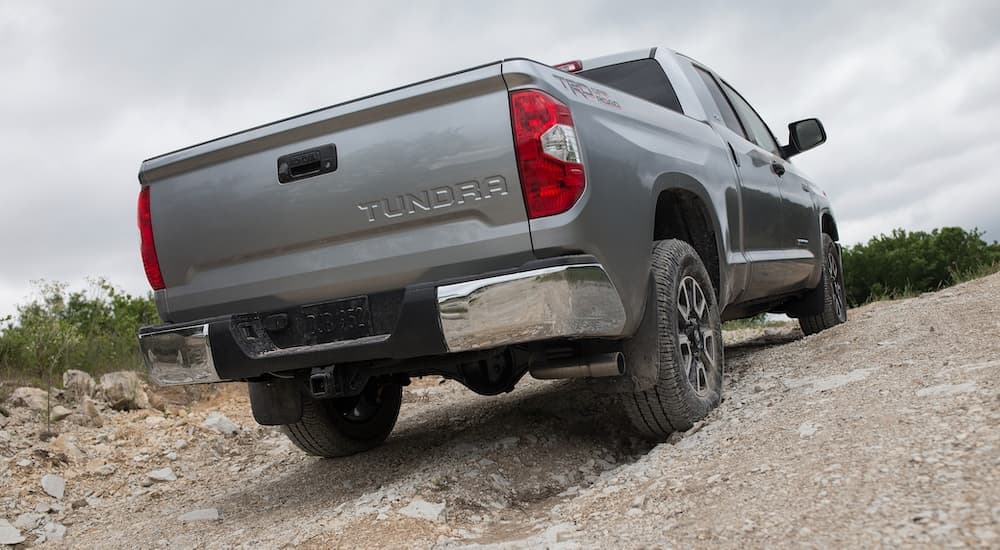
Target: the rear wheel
pixel 834 300
pixel 682 336
pixel 346 426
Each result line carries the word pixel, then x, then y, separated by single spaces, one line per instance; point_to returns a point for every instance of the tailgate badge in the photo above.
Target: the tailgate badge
pixel 444 196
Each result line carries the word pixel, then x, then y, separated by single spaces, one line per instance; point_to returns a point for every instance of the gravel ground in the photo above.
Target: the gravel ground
pixel 880 432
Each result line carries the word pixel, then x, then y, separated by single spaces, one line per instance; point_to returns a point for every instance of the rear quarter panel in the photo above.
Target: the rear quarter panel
pixel 633 150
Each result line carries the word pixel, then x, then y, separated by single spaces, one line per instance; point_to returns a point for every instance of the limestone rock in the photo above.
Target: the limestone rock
pixel 218 422
pixel 421 509
pixel 164 474
pixel 9 534
pixel 59 413
pixel 123 391
pixel 78 385
pixel 32 398
pixel 204 514
pixel 54 485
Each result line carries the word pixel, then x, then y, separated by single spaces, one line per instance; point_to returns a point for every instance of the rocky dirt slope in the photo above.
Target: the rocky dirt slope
pixel 883 431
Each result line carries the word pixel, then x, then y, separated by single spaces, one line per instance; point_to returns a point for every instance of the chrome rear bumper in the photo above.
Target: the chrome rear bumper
pixel 565 301
pixel 568 300
pixel 179 356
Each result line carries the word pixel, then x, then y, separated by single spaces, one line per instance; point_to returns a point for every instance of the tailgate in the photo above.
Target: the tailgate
pixel 425 187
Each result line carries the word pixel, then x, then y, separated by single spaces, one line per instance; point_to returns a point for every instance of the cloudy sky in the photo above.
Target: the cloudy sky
pixel 907 90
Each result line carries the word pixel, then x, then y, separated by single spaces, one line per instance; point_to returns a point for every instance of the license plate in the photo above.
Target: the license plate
pixel 345 319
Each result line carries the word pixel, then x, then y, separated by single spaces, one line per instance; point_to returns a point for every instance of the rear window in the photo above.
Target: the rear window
pixel 643 78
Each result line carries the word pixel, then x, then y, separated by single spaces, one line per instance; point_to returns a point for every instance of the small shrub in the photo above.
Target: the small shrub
pixel 92 330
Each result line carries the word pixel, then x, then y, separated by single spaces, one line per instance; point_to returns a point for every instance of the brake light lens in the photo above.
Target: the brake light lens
pixel 548 153
pixel 570 66
pixel 149 260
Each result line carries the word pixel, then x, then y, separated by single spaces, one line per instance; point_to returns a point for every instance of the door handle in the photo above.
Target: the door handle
pixel 778 168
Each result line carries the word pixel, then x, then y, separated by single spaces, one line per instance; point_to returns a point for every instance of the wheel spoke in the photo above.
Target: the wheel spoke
pixel 709 351
pixel 687 356
pixel 700 304
pixel 683 302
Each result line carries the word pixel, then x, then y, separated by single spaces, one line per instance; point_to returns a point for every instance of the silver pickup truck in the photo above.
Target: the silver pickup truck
pixel 596 219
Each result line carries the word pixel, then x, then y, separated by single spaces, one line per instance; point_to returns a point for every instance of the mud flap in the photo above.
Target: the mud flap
pixel 811 303
pixel 276 402
pixel 641 354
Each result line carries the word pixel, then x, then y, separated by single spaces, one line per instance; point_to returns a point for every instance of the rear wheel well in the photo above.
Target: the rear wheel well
pixel 682 215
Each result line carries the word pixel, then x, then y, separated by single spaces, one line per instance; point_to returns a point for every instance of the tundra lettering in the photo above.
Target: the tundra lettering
pixel 437 197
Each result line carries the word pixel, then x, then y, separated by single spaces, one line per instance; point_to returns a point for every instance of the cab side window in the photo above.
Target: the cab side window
pixel 728 115
pixel 643 78
pixel 756 128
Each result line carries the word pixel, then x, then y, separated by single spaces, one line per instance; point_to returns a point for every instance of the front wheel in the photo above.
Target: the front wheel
pixel 346 426
pixel 832 285
pixel 681 334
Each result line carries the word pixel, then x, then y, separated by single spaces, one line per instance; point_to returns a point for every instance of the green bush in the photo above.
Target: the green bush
pixel 93 331
pixel 905 263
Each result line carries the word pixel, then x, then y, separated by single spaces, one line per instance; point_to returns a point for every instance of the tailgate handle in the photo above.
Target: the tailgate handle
pixel 306 164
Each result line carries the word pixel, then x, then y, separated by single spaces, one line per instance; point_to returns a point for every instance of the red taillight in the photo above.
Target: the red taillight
pixel 548 153
pixel 149 261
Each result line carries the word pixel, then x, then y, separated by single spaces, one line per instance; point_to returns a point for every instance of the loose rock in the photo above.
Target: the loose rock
pixel 217 422
pixel 105 469
pixel 807 430
pixel 9 534
pixel 62 444
pixel 946 389
pixel 32 398
pixel 421 509
pixel 165 474
pixel 28 521
pixel 154 420
pixel 123 391
pixel 59 413
pixel 89 408
pixel 54 531
pixel 54 485
pixel 204 514
pixel 78 385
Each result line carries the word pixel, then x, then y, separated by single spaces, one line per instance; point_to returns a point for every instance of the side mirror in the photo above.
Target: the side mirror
pixel 804 135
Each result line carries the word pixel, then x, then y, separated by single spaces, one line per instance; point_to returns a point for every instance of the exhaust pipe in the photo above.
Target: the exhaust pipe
pixel 595 366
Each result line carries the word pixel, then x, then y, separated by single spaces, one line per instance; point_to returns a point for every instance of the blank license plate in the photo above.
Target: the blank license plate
pixel 345 319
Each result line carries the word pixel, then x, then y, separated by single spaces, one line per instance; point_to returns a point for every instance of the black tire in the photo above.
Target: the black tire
pixel 342 427
pixel 688 384
pixel 832 284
